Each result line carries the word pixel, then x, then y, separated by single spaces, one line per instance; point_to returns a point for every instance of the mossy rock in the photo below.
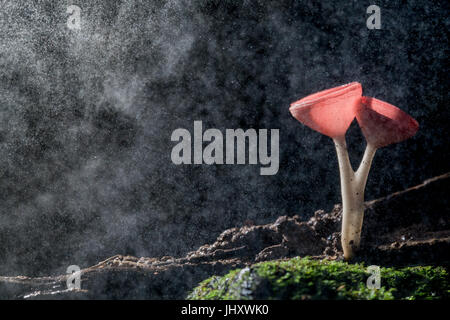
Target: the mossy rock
pixel 305 278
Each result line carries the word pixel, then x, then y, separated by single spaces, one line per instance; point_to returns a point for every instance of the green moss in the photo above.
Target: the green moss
pixel 313 279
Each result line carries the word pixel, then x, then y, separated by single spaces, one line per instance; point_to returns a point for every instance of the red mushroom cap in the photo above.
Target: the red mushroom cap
pixel 330 111
pixel 383 124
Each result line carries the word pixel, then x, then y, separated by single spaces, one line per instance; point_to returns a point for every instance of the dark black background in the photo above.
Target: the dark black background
pixel 86 117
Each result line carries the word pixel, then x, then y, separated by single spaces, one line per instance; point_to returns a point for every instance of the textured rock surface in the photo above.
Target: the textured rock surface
pixel 404 228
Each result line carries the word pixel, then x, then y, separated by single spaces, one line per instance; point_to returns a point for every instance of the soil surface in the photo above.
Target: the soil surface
pixel 411 227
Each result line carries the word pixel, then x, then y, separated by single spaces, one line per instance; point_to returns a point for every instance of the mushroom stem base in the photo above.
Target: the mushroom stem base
pixel 352 188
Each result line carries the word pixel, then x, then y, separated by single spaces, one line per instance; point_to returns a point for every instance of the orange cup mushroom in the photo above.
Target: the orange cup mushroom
pixel 331 112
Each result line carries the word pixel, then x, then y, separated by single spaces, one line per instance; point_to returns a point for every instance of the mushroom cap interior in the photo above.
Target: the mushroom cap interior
pixel 330 111
pixel 383 124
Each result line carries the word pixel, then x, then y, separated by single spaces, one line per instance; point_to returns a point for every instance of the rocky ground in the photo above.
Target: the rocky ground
pixel 410 227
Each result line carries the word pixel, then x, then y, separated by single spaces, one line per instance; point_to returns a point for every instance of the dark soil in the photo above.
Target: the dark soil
pixel 411 227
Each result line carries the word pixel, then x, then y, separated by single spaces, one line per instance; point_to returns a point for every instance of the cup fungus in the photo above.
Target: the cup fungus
pixel 331 112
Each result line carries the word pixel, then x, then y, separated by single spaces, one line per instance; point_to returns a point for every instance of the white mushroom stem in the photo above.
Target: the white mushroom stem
pixel 352 189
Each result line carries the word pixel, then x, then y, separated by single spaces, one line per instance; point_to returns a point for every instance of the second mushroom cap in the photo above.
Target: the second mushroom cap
pixel 383 124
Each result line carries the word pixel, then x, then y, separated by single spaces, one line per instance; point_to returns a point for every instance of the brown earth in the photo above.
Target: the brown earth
pixel 411 227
